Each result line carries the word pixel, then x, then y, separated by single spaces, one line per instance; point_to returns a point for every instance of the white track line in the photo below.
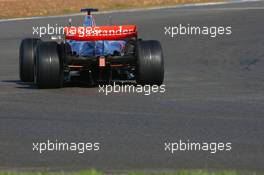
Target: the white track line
pixel 227 9
pixel 140 9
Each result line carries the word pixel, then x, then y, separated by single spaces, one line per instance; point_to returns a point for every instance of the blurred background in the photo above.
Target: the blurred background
pixel 24 8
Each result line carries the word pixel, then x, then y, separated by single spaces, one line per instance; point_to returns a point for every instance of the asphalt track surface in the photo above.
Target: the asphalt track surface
pixel 214 93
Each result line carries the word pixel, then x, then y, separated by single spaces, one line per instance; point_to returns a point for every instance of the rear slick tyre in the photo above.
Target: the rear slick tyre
pixel 27 54
pixel 150 63
pixel 49 66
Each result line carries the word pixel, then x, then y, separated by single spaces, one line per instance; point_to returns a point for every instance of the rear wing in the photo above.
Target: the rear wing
pixel 100 33
pixel 89 10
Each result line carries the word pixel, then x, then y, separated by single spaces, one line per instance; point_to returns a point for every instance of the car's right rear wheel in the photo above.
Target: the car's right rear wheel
pixel 49 71
pixel 150 63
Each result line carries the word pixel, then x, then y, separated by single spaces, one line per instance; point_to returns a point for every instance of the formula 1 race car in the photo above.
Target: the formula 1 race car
pixel 97 53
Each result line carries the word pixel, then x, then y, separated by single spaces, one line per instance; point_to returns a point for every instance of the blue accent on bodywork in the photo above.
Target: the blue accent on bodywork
pixel 96 48
pixel 88 21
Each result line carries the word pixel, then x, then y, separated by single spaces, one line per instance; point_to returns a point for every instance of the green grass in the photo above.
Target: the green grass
pixel 94 172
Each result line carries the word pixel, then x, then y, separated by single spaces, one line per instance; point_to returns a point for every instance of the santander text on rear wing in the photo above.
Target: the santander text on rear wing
pixel 100 33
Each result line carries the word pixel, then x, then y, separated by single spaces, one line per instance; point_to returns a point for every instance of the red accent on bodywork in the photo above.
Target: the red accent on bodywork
pixel 102 62
pixel 100 33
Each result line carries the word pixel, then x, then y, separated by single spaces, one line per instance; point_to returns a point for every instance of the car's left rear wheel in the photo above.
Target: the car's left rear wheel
pixel 49 72
pixel 27 52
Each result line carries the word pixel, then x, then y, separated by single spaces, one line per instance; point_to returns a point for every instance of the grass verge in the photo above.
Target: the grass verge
pixel 94 172
pixel 22 8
